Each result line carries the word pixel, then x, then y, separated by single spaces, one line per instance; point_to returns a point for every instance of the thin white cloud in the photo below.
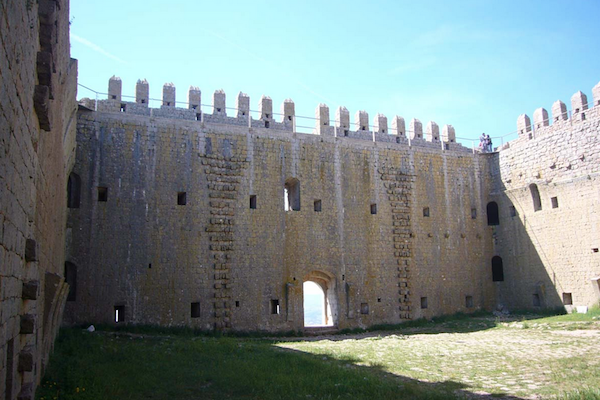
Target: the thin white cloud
pixel 96 48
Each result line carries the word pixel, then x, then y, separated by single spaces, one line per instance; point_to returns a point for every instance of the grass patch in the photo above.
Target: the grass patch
pixel 116 365
pixel 552 356
pixel 581 394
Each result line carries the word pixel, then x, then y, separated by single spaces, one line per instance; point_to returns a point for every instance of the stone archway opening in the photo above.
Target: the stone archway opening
pixel 319 301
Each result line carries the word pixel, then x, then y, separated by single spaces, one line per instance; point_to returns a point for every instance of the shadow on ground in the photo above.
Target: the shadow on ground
pixel 119 365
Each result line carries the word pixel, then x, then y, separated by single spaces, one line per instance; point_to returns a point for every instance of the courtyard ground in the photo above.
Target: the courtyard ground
pixel 514 357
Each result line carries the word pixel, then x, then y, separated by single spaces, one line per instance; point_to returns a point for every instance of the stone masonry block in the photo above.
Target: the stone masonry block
pixel 30 250
pixel 540 118
pixel 142 92
pixel 194 98
pixel 361 121
pixel 288 109
pixel 596 94
pixel 242 104
pixel 415 129
pixel 433 132
pixel 219 101
pixel 114 88
pixel 27 324
pixel 523 125
pixel 342 120
pixel 578 102
pixel 30 290
pixel 398 126
pixel 265 108
pixel 168 99
pixel 380 124
pixel 322 116
pixel 448 134
pixel 559 111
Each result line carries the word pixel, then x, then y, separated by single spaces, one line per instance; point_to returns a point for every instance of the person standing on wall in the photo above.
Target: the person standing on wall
pixel 488 143
pixel 482 143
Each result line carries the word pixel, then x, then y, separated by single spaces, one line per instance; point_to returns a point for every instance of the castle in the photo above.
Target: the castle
pixel 177 217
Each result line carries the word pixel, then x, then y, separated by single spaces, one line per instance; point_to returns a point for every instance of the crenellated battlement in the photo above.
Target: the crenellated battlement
pixel 264 117
pixel 559 119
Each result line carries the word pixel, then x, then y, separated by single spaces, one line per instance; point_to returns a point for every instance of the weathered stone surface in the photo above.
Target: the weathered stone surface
pixel 546 244
pixel 227 249
pixel 37 138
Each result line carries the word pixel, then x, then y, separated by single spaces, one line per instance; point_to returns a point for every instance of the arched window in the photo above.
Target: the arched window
pixel 73 190
pixel 71 279
pixel 292 195
pixel 492 213
pixel 535 196
pixel 497 269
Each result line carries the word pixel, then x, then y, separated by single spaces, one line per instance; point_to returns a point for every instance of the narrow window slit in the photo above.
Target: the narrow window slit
pixel 275 306
pixel 317 205
pixel 195 310
pixel 181 198
pixel 119 314
pixel 102 193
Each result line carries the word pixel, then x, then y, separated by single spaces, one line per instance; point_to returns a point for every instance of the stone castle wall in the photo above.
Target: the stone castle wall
pixel 549 247
pixel 232 257
pixel 37 139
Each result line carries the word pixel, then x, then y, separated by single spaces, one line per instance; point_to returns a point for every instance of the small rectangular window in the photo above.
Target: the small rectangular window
pixel 469 301
pixel 567 299
pixel 373 209
pixel 119 314
pixel 423 303
pixel 554 201
pixel 513 211
pixel 123 107
pixel 317 205
pixel 181 198
pixel 426 211
pixel 195 310
pixel 473 213
pixel 275 306
pixel 237 303
pixel 536 300
pixel 102 193
pixel 253 202
pixel 364 308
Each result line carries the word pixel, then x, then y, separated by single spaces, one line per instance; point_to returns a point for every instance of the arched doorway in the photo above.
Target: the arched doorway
pixel 319 301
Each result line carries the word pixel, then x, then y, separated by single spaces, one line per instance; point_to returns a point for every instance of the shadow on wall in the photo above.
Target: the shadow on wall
pixel 523 269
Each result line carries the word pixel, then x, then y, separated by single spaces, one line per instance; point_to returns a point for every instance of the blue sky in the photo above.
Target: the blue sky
pixel 475 65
